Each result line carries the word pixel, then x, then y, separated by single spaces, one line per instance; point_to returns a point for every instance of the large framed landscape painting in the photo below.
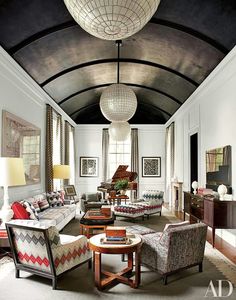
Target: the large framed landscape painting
pixel 88 166
pixel 22 139
pixel 151 166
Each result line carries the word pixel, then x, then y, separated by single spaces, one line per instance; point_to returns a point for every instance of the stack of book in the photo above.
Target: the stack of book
pixel 115 235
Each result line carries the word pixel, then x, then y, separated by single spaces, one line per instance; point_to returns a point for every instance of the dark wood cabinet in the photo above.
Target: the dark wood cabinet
pixel 215 213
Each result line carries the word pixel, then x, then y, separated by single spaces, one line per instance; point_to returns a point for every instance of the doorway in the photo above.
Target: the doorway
pixel 193 159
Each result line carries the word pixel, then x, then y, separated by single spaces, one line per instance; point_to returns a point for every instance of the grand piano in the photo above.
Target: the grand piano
pixel 120 173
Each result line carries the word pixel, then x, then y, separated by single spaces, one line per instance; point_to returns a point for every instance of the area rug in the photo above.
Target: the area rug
pixel 79 284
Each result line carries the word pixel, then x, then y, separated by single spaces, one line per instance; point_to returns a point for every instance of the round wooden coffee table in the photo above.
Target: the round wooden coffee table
pixel 123 276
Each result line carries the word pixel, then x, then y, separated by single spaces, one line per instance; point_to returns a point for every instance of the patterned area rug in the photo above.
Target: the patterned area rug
pixel 79 284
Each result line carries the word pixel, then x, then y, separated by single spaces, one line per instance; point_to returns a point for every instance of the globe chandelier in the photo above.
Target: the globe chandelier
pixel 112 19
pixel 118 104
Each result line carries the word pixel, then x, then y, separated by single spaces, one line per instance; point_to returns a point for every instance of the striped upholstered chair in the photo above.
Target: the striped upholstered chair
pixel 43 251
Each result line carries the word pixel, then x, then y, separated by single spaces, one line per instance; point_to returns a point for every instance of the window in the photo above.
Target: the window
pixel 119 154
pixel 31 156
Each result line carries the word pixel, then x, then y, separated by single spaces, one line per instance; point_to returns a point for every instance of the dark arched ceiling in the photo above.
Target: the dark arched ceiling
pixel 163 63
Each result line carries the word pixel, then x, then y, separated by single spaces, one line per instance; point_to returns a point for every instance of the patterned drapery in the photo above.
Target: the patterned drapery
pixel 105 154
pixel 170 159
pixel 134 152
pixel 49 149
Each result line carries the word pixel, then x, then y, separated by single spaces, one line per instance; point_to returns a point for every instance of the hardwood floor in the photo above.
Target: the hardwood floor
pixel 225 248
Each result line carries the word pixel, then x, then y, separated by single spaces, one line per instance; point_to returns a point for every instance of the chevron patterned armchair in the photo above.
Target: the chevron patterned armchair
pixel 45 252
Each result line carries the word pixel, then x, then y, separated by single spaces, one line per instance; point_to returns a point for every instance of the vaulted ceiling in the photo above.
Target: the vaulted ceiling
pixel 163 63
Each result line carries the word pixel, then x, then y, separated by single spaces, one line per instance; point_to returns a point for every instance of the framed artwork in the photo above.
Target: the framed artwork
pixel 88 166
pixel 22 139
pixel 151 166
pixel 70 190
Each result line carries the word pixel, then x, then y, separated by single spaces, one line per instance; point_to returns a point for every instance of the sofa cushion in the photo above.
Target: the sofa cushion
pixel 19 211
pixel 57 214
pixel 152 195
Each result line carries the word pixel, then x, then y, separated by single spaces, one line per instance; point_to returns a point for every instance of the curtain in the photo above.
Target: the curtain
pixel 135 153
pixel 70 151
pixel 49 150
pixel 57 145
pixel 170 159
pixel 105 154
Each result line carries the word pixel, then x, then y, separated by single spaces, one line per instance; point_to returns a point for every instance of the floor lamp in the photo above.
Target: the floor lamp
pixel 11 174
pixel 61 172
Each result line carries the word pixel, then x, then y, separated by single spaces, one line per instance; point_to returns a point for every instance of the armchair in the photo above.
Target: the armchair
pixel 91 200
pixel 176 249
pixel 151 201
pixel 43 251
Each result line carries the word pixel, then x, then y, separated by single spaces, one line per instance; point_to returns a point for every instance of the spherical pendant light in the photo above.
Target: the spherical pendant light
pixel 112 19
pixel 118 103
pixel 119 131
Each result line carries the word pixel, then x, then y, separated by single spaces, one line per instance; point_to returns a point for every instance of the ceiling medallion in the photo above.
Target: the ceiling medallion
pixel 112 19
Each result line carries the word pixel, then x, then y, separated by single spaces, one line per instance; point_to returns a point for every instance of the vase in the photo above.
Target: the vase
pixel 122 192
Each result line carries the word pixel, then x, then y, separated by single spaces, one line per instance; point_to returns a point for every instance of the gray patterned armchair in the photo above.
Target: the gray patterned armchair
pixel 175 249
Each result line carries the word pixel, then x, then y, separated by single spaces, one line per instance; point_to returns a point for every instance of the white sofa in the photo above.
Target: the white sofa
pixel 58 216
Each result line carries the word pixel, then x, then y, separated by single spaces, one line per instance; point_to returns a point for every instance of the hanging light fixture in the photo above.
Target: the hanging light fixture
pixel 119 131
pixel 113 19
pixel 118 102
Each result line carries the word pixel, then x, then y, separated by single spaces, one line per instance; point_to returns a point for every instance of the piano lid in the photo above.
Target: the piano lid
pixel 121 173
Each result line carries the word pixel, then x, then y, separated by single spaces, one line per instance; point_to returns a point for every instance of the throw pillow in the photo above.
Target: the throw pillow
pixel 43 204
pixel 19 211
pixel 164 238
pixel 30 209
pixel 34 203
pixel 174 225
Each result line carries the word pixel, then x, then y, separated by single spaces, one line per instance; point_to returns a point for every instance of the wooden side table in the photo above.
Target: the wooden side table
pixel 122 276
pixel 4 243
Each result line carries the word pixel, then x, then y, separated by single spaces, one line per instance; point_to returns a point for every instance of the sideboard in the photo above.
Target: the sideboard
pixel 215 213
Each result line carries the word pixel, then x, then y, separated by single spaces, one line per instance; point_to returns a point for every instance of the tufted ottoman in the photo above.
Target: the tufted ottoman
pixel 129 211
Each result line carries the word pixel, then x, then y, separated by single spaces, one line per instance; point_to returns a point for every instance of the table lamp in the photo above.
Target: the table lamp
pixel 61 172
pixel 11 174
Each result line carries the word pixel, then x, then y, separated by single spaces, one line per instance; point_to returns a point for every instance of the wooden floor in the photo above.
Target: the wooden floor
pixel 225 248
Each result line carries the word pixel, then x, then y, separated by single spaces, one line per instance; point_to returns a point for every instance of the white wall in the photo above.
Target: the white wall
pixel 88 140
pixel 210 111
pixel 20 95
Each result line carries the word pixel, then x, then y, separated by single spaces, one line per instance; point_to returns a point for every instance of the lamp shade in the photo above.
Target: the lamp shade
pixel 118 103
pixel 11 171
pixel 113 19
pixel 61 172
pixel 119 131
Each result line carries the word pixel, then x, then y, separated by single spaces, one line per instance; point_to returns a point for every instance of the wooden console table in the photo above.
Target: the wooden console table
pixel 215 213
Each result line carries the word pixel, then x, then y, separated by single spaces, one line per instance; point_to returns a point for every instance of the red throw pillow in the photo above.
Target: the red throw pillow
pixel 19 211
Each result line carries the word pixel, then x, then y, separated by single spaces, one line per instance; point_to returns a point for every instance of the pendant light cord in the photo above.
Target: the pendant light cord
pixel 118 44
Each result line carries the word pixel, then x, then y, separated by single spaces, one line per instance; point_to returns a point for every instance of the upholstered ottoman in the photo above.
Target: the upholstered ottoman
pixel 129 211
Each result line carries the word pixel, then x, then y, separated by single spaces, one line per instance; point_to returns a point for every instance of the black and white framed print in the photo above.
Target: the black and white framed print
pixel 151 166
pixel 88 166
